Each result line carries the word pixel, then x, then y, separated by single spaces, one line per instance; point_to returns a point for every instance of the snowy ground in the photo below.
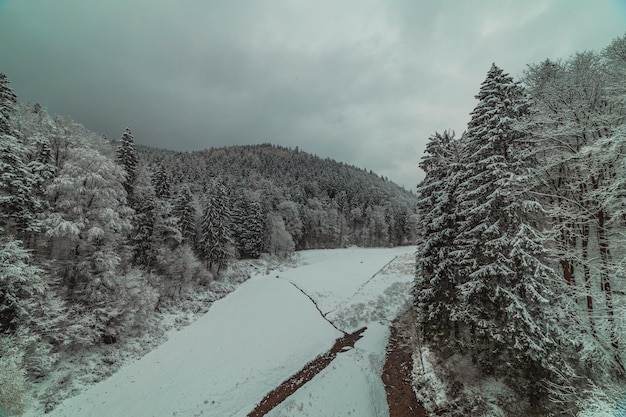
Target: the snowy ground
pixel 258 336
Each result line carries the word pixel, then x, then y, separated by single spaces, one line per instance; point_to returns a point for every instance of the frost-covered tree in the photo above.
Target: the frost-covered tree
pixel 32 317
pixel 41 164
pixel 280 241
pixel 128 159
pixel 155 228
pixel 379 228
pixel 577 126
pixel 182 268
pixel 13 383
pixel 20 203
pixel 215 241
pixel 290 212
pixel 86 229
pixel 505 292
pixel 166 235
pixel 437 272
pixel 8 102
pixel 320 222
pixel 248 227
pixel 161 183
pixel 184 210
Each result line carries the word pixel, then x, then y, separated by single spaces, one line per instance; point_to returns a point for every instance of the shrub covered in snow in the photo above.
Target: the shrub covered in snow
pixel 13 384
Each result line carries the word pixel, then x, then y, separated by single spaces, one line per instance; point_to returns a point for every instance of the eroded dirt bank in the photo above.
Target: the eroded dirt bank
pixel 397 372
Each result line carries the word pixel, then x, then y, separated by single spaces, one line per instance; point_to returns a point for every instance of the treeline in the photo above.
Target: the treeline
pixel 96 236
pixel 520 259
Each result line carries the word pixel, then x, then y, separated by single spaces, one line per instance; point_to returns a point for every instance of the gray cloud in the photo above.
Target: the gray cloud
pixel 365 82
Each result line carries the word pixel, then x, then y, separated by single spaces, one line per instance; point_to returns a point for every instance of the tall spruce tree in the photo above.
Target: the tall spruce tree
pixel 435 292
pixel 248 227
pixel 504 295
pixel 8 101
pixel 19 201
pixel 216 244
pixel 161 183
pixel 154 228
pixel 185 211
pixel 128 159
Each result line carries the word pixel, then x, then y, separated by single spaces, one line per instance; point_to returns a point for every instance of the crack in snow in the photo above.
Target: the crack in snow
pixel 315 304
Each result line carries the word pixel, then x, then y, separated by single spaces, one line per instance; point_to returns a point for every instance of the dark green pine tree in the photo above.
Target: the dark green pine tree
pixel 185 212
pixel 436 272
pixel 128 159
pixel 505 293
pixel 248 227
pixel 216 244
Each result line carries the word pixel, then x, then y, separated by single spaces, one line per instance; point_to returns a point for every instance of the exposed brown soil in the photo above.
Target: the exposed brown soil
pixel 397 376
pixel 303 376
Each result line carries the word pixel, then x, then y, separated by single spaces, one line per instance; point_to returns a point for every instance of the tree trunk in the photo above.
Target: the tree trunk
pixel 587 276
pixel 565 242
pixel 605 256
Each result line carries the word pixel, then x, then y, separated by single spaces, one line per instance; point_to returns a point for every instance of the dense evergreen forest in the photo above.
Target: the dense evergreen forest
pixel 520 257
pixel 97 235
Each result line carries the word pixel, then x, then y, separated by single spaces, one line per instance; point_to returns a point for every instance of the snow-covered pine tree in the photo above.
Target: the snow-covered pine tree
pixel 155 230
pixel 19 201
pixel 128 159
pixel 184 210
pixel 41 164
pixel 165 234
pixel 216 244
pixel 248 227
pixel 8 101
pixel 161 183
pixel 143 226
pixel 506 293
pixel 437 272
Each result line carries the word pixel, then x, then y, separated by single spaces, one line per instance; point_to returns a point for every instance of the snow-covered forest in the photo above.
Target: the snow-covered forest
pixel 520 276
pixel 97 236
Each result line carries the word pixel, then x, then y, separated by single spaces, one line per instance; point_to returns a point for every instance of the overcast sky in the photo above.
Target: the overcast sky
pixel 362 81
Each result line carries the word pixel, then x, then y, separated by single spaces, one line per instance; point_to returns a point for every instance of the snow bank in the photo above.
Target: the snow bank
pixel 222 364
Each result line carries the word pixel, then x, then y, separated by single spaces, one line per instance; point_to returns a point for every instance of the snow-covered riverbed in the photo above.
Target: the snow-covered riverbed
pixel 258 336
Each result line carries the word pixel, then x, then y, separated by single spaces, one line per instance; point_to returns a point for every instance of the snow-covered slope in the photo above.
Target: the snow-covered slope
pixel 255 338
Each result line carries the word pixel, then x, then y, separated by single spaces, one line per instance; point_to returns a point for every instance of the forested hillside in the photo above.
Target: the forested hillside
pixel 96 237
pixel 320 203
pixel 520 259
